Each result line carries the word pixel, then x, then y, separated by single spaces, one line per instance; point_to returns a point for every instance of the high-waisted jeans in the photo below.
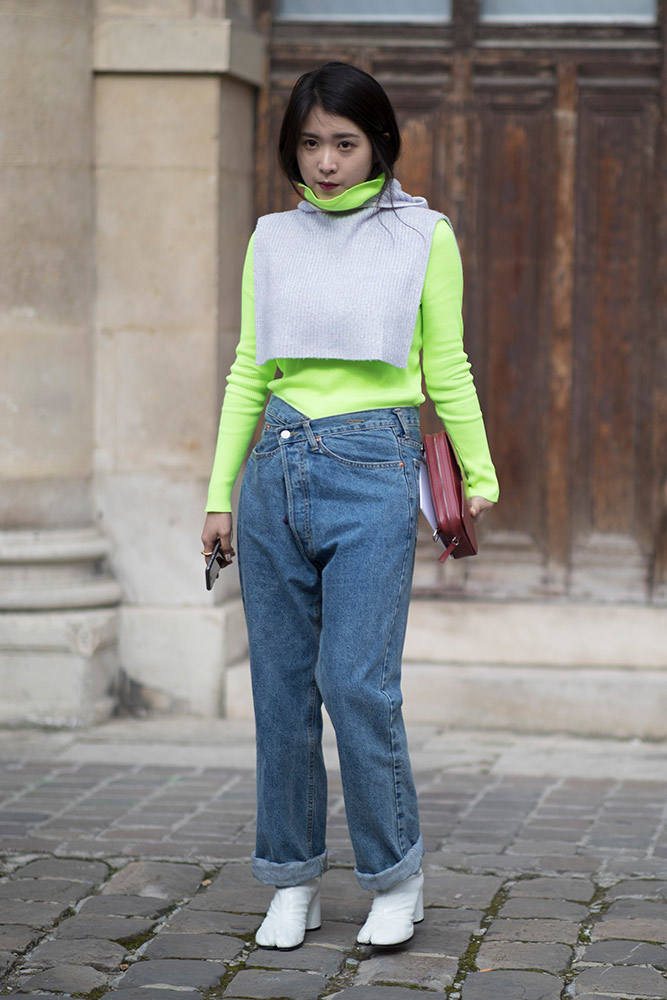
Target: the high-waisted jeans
pixel 326 540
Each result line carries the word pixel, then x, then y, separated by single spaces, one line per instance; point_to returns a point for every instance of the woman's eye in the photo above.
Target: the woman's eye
pixel 310 144
pixel 345 144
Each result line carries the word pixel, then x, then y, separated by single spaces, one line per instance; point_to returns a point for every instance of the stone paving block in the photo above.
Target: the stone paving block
pixel 6 960
pixel 340 854
pixel 415 970
pixel 550 931
pixel 234 899
pixel 350 911
pixel 644 888
pixel 626 953
pixel 636 982
pixel 440 939
pixel 130 833
pixel 42 996
pixel 219 947
pixel 631 930
pixel 160 879
pixel 32 914
pixel 89 872
pixel 570 865
pixel 575 889
pixel 172 973
pixel 382 993
pixel 643 909
pixel 635 867
pixel 562 835
pixel 126 906
pixel 523 955
pixel 154 852
pixel 310 958
pixel 271 985
pixel 473 846
pixel 512 985
pixel 23 817
pixel 43 890
pixel 102 955
pixel 460 890
pixel 541 847
pixel 189 921
pixel 66 979
pixel 552 909
pixel 514 865
pixel 112 928
pixel 453 916
pixel 335 934
pixel 340 883
pixel 17 937
pixel 141 994
pixel 234 873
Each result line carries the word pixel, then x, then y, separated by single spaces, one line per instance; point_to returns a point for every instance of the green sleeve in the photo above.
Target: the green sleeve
pixel 244 400
pixel 447 373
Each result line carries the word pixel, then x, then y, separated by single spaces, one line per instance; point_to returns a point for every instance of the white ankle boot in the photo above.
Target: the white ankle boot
pixel 292 912
pixel 394 913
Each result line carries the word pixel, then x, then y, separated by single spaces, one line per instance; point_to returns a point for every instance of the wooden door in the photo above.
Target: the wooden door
pixel 547 148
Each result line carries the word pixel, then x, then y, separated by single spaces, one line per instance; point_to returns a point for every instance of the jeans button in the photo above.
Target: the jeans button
pixel 285 434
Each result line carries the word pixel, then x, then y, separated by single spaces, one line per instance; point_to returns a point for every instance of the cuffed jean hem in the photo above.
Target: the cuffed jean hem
pixel 407 866
pixel 290 872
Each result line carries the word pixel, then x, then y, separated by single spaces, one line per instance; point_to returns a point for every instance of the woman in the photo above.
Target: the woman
pixel 342 294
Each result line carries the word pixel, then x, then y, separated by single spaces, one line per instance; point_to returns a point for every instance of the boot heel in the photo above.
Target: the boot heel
pixel 314 918
pixel 419 908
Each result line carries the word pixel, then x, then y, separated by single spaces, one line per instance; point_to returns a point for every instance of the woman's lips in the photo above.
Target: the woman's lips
pixel 327 185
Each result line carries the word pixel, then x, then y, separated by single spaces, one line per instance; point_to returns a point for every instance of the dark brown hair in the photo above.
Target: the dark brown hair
pixel 341 89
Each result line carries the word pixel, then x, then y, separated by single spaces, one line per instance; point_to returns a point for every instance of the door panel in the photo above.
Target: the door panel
pixel 514 200
pixel 613 345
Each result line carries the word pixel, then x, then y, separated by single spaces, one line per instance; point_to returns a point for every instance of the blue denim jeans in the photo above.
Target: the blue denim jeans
pixel 326 540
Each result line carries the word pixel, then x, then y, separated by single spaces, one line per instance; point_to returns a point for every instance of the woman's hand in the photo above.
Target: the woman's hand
pixel 478 507
pixel 218 526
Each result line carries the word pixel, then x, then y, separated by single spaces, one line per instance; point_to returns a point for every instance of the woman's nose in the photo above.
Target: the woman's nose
pixel 327 162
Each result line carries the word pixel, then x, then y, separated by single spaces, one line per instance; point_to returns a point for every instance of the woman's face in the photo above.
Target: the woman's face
pixel 334 154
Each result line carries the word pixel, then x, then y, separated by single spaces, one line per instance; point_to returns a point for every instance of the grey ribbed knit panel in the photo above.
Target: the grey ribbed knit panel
pixel 343 285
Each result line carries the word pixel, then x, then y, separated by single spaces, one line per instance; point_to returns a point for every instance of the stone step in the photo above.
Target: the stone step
pixel 528 667
pixel 546 632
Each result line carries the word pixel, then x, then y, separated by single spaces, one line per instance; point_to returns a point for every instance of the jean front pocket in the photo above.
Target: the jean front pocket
pixel 375 448
pixel 267 444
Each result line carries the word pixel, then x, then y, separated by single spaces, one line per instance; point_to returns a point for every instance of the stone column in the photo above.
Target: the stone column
pixel 174 111
pixel 57 664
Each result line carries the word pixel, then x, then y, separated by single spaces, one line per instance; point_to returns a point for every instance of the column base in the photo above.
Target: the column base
pixel 58 668
pixel 59 628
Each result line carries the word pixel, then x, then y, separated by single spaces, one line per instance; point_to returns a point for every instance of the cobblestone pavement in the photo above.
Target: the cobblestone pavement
pixel 124 871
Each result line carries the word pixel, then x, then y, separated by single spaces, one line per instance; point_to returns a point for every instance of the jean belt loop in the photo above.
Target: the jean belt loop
pixel 273 418
pixel 310 436
pixel 402 421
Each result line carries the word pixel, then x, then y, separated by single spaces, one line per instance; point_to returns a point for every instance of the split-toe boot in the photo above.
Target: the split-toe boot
pixel 394 913
pixel 292 912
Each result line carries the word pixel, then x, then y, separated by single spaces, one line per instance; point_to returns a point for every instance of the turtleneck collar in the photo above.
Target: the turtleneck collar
pixel 361 196
pixel 353 198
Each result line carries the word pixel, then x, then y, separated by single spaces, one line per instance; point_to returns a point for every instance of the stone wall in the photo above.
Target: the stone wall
pixel 127 166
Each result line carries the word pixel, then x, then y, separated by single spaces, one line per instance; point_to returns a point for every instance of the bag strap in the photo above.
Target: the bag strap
pixel 450 548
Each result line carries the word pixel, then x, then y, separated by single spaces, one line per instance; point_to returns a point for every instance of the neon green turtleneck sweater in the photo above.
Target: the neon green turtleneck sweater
pixel 326 387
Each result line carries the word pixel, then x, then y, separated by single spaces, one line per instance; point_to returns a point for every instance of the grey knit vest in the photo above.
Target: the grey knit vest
pixel 343 285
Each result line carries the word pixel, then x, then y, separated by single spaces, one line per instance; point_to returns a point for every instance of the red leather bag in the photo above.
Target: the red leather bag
pixel 454 525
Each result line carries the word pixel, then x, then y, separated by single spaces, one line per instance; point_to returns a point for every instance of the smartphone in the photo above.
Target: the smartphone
pixel 214 565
